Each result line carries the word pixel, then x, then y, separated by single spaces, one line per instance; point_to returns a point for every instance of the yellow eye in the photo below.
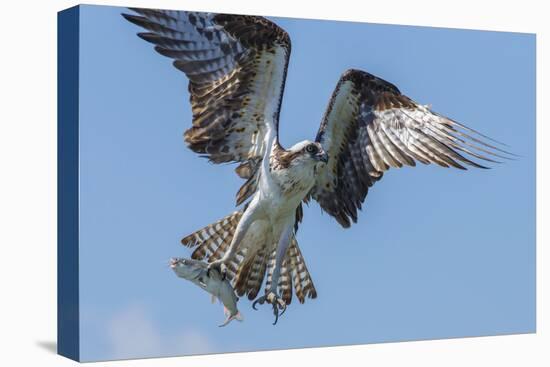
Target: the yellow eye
pixel 312 149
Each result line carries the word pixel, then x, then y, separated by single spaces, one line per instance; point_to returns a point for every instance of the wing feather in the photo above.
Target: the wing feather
pixel 369 127
pixel 236 66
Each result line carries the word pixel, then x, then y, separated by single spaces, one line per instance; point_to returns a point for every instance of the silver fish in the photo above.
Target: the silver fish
pixel 196 272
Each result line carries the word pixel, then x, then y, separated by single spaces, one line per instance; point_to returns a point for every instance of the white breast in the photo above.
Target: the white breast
pixel 287 188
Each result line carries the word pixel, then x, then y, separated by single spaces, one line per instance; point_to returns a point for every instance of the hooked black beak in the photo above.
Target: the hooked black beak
pixel 323 157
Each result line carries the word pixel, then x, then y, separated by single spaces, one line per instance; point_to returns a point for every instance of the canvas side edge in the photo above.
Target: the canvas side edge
pixel 68 326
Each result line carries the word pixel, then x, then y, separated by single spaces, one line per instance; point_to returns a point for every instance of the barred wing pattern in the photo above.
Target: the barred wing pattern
pixel 369 126
pixel 236 67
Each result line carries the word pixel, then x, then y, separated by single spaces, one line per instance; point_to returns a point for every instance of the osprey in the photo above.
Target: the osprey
pixel 237 66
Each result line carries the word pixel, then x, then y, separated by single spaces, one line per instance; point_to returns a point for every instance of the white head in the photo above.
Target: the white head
pixel 308 153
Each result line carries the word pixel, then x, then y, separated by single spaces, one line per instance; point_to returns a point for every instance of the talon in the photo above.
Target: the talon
pixel 276 312
pixel 223 270
pixel 276 302
pixel 219 266
pixel 283 309
pixel 278 305
pixel 260 300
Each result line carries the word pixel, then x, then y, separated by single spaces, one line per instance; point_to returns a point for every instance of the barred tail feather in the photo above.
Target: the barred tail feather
pixel 285 282
pixel 248 268
pixel 303 284
pixel 241 274
pixel 293 272
pixel 270 268
pixel 255 277
pixel 213 240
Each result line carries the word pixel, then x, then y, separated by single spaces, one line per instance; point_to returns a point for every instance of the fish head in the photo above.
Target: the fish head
pixel 185 269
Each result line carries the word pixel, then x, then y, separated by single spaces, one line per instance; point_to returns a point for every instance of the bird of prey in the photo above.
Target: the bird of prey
pixel 237 66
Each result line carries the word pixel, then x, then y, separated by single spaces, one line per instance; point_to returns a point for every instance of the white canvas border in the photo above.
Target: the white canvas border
pixel 28 195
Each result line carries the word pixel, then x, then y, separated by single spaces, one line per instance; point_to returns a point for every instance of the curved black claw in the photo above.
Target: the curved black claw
pixel 283 310
pixel 255 302
pixel 275 301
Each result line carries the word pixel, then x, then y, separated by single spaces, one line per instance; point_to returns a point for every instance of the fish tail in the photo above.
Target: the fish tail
pixel 239 316
pixel 228 318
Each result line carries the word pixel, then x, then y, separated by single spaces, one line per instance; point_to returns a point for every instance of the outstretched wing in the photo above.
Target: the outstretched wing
pixel 369 126
pixel 236 67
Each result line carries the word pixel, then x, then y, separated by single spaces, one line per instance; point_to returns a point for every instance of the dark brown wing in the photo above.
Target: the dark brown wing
pixel 369 126
pixel 236 67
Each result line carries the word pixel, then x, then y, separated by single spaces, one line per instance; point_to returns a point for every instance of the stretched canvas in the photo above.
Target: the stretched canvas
pixel 322 182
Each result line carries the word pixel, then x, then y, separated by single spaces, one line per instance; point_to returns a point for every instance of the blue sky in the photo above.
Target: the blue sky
pixel 437 253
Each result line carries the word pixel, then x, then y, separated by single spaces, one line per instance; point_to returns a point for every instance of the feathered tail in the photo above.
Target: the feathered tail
pixel 247 270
